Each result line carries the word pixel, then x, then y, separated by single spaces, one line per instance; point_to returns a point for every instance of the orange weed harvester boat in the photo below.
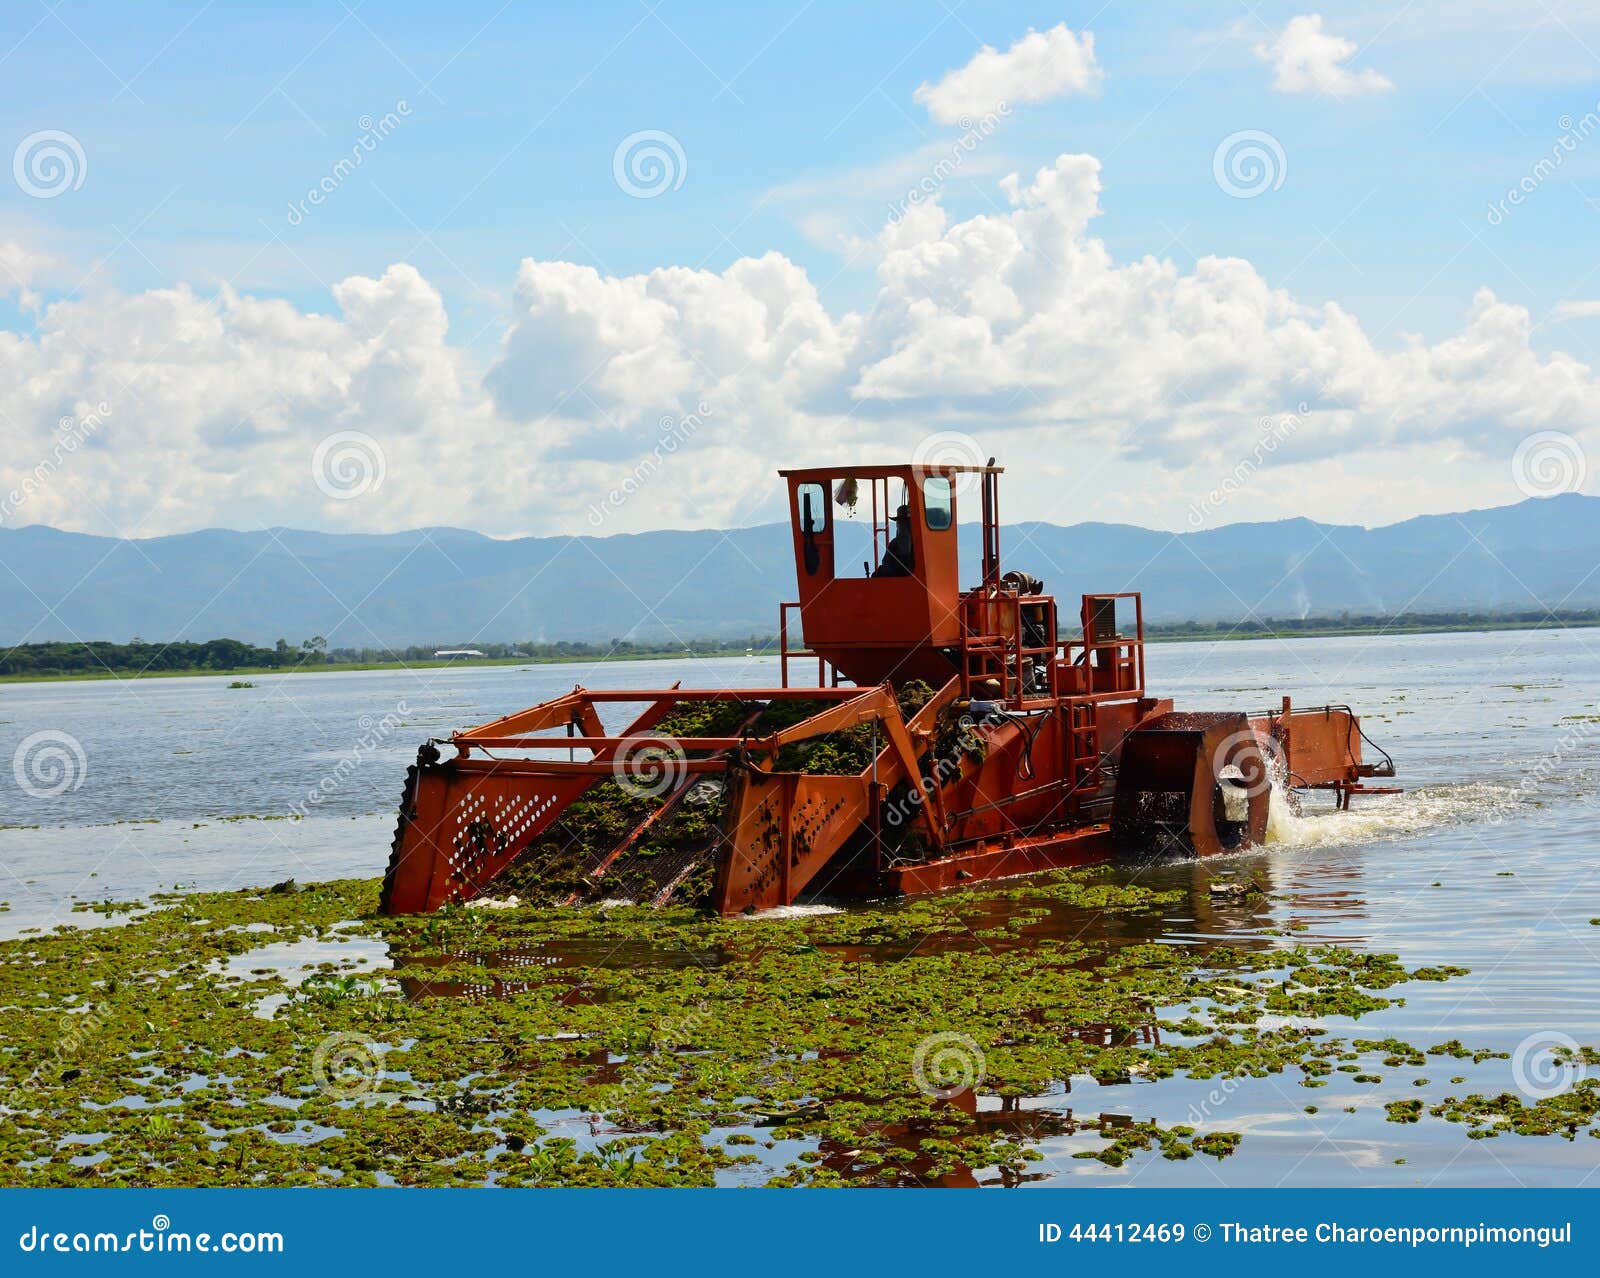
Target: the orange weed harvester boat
pixel 952 735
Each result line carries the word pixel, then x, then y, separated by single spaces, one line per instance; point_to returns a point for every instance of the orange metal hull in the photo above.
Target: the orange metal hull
pixel 1024 793
pixel 1065 850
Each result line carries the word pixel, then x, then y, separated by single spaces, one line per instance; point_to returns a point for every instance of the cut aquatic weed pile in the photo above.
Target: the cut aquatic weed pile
pixel 560 866
pixel 879 1046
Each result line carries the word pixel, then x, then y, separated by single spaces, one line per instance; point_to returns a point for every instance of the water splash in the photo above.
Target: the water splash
pixel 794 912
pixel 1385 817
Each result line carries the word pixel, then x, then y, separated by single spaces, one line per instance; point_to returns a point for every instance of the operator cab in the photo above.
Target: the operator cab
pixel 877 567
pixel 881 599
pixel 887 540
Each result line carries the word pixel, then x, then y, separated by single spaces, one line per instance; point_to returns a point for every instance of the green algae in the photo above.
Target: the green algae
pixel 630 1046
pixel 1172 1143
pixel 1564 1114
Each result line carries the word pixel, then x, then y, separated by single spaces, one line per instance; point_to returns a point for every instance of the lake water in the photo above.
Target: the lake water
pixel 1488 862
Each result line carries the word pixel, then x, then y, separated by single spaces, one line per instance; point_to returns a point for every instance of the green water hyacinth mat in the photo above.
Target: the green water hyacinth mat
pixel 294 1037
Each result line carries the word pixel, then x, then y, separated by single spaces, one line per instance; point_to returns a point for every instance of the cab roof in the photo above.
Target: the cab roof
pixel 844 470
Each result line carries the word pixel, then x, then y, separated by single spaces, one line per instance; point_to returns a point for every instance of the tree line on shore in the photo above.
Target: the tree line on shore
pixel 1345 621
pixel 223 655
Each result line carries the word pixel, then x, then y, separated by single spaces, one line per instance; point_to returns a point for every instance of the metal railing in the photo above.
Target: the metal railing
pixel 786 653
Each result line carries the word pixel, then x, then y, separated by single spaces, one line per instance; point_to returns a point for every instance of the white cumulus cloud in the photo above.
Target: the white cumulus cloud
pixel 1115 389
pixel 1020 324
pixel 1040 66
pixel 20 268
pixel 207 409
pixel 1307 59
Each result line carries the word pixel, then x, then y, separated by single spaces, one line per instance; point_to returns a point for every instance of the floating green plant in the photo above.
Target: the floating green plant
pixel 631 1046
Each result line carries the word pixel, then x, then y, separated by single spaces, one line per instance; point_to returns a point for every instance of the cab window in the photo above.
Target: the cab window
pixel 811 502
pixel 937 504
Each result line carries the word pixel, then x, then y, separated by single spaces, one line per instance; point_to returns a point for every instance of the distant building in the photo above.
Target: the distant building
pixel 458 652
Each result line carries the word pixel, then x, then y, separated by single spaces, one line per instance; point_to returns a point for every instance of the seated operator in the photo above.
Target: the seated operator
pixel 897 555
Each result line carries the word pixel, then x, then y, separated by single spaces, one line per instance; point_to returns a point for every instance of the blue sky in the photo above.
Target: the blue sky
pixel 201 126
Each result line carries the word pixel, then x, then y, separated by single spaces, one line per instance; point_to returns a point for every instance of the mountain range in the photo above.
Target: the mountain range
pixel 446 585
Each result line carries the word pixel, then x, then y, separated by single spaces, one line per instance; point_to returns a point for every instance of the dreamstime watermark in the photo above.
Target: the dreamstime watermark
pixel 649 163
pixel 1549 463
pixel 49 763
pixel 1244 766
pixel 346 1066
pixel 1573 134
pixel 348 464
pixel 653 1069
pixel 49 163
pixel 648 767
pixel 1249 163
pixel 674 433
pixel 947 166
pixel 947 1064
pixel 72 433
pixel 372 133
pixel 374 732
pixel 971 737
pixel 1251 1067
pixel 1548 1063
pixel 1274 432
pixel 950 448
pixel 1567 745
pixel 161 1238
pixel 75 1030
